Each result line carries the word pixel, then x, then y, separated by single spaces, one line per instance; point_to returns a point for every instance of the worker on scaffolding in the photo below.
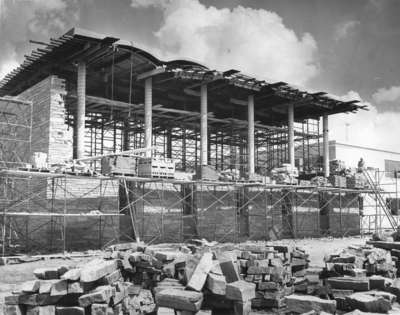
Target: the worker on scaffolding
pixel 361 166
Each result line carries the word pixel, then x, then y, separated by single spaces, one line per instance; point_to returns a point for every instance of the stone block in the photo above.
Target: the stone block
pixel 240 291
pixel 101 294
pixel 41 310
pixel 305 303
pixel 180 299
pixel 200 273
pixel 72 275
pixel 241 308
pixel 368 303
pixel 349 283
pixel 101 309
pixel 75 288
pixel 111 278
pixel 228 267
pixel 30 286
pixel 97 269
pixel 46 273
pixel 55 287
pixel 70 310
pixel 14 310
pixel 216 284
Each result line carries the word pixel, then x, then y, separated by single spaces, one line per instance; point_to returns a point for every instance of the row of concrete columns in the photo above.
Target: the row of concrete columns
pixel 148 103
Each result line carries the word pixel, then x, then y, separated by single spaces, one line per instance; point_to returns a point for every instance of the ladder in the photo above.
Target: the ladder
pixel 380 199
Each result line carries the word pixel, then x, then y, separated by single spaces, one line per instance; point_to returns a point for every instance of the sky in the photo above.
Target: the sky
pixel 349 49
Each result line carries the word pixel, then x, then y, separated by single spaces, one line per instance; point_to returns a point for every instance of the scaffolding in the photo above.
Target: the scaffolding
pixel 15 132
pixel 48 212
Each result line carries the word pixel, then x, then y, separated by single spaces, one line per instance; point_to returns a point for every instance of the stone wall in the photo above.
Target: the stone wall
pixel 50 133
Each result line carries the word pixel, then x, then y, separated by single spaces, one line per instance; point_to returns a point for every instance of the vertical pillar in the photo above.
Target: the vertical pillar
pixel 126 135
pixel 148 104
pixel 291 134
pixel 169 142
pixel 80 111
pixel 325 130
pixel 203 126
pixel 250 135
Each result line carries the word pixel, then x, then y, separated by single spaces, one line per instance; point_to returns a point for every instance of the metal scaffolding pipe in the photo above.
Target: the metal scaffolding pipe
pixel 80 111
pixel 148 104
pixel 203 126
pixel 250 135
pixel 291 134
pixel 325 128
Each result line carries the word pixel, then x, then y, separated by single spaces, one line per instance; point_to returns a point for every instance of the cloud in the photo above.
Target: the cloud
pixel 366 128
pixel 255 41
pixel 33 19
pixel 383 95
pixel 342 30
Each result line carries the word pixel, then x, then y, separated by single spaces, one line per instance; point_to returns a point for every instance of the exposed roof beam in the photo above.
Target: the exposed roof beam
pixel 151 73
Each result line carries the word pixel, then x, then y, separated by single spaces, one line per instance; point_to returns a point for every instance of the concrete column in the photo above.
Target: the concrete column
pixel 250 135
pixel 325 128
pixel 148 104
pixel 80 111
pixel 203 126
pixel 291 134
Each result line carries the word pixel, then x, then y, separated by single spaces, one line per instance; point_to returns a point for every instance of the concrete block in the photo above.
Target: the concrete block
pixel 240 291
pixel 180 299
pixel 305 303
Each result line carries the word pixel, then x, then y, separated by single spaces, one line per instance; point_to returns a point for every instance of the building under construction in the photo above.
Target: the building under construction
pixel 85 95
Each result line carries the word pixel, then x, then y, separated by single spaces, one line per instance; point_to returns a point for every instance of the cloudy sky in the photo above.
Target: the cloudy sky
pixel 347 48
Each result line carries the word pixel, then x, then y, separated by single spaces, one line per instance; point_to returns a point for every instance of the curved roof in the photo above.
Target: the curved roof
pixel 175 80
